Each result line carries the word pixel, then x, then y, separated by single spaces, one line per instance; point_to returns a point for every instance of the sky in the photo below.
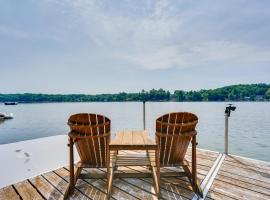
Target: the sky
pixel 108 46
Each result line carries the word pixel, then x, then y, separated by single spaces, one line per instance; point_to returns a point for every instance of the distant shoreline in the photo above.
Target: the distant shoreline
pixel 239 93
pixel 264 101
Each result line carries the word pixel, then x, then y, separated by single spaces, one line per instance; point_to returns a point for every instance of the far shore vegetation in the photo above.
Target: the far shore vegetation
pixel 242 92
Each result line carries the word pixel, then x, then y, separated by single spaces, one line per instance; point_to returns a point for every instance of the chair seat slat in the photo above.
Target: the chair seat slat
pixel 190 133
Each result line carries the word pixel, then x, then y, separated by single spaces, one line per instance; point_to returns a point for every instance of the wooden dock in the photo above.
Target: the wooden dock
pixel 221 177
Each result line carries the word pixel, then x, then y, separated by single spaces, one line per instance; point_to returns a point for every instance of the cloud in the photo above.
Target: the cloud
pixel 120 40
pixel 199 55
pixel 159 59
pixel 132 26
pixel 162 34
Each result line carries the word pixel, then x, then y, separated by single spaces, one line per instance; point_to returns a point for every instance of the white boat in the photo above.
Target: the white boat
pixel 4 116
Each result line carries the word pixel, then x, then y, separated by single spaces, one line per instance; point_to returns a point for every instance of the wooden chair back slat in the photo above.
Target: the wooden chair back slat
pixel 173 135
pixel 92 135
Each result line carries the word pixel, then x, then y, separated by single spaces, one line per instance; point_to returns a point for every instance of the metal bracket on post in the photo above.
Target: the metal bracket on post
pixel 144 123
pixel 228 110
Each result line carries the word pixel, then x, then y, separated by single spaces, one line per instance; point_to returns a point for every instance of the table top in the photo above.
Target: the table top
pixel 132 140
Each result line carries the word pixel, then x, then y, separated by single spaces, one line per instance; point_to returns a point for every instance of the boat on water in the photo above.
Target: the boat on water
pixel 11 103
pixel 4 116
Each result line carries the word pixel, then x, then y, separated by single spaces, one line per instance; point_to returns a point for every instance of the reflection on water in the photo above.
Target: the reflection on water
pixel 249 125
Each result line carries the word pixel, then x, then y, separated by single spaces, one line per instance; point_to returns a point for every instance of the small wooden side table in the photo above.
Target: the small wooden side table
pixel 136 141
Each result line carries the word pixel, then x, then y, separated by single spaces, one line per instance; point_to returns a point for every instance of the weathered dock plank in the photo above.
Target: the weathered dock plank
pixel 237 178
pixel 27 191
pixel 216 196
pixel 249 162
pixel 244 179
pixel 61 185
pixel 246 172
pixel 146 184
pixel 81 185
pixel 118 192
pixel 240 178
pixel 9 193
pixel 45 188
pixel 237 192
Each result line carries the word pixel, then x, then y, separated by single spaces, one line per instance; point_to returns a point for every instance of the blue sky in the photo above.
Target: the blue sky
pixel 85 46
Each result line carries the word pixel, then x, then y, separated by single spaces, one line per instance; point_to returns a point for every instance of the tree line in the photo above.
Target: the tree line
pixel 242 92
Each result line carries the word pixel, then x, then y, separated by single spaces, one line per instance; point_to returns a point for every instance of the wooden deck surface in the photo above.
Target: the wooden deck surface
pixel 240 178
pixel 221 177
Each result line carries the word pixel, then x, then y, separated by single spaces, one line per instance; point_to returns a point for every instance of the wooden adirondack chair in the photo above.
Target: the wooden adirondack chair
pixel 174 132
pixel 91 135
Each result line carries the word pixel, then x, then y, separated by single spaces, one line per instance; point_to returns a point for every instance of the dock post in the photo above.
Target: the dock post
pixel 144 123
pixel 226 133
pixel 228 110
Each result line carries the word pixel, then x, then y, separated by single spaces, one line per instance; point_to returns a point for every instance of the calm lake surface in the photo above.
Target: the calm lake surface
pixel 249 125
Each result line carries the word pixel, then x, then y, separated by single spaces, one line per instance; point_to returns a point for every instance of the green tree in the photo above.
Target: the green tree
pixel 179 95
pixel 267 94
pixel 232 93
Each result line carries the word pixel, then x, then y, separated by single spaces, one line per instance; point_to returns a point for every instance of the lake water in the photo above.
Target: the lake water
pixel 249 125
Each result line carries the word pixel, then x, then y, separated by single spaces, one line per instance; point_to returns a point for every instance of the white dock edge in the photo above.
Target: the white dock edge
pixel 26 159
pixel 210 177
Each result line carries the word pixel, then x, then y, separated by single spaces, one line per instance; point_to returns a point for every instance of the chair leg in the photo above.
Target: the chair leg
pixel 188 173
pixel 71 185
pixel 157 173
pixel 110 171
pixel 195 183
pixel 109 182
pixel 77 173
